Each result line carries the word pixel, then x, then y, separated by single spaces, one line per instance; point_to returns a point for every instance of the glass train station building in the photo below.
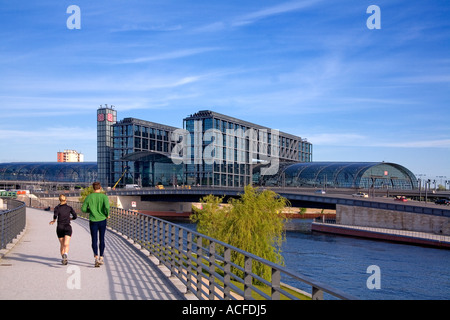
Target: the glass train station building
pixel 211 149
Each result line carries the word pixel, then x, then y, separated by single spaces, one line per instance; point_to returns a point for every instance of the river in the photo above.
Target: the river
pixel 406 272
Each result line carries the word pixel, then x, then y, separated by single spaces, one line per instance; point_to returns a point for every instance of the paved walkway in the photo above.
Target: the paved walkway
pixel 32 269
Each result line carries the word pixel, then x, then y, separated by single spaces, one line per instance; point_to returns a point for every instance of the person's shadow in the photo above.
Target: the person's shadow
pixel 51 262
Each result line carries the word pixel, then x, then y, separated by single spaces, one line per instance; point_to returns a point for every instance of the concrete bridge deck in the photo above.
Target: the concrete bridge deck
pixel 32 268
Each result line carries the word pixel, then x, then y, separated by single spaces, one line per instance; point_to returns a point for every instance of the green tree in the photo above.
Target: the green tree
pixel 253 223
pixel 85 192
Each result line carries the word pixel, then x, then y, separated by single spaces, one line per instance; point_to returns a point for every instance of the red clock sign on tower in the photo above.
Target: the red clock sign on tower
pixel 101 117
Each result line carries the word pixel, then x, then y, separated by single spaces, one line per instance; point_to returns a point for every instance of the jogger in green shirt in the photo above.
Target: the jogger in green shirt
pixel 97 205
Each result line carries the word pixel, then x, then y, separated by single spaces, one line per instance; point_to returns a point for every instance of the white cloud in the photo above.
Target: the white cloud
pixel 442 143
pixel 133 27
pixel 271 11
pixel 340 139
pixel 50 134
pixel 358 140
pixel 170 55
pixel 255 16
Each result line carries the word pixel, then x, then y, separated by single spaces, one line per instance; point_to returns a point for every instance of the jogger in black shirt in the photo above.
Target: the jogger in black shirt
pixel 63 213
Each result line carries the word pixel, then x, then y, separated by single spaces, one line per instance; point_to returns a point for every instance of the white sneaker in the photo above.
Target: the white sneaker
pixel 64 259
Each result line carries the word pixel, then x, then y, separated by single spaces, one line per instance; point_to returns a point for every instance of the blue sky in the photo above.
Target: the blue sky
pixel 311 68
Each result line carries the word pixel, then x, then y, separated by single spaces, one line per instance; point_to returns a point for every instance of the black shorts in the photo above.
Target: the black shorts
pixel 64 230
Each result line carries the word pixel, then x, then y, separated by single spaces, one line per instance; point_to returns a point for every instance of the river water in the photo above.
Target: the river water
pixel 406 272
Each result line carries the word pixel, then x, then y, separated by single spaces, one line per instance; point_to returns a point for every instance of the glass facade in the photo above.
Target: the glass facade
pixel 223 151
pixel 72 172
pixel 141 154
pixel 342 175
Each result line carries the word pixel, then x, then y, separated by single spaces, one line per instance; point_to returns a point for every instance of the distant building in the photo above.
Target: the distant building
pixel 70 156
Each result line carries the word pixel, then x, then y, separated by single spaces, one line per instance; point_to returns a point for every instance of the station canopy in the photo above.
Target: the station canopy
pixel 83 172
pixel 342 175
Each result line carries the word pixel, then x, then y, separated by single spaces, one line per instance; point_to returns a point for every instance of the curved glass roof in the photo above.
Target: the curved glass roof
pixel 306 174
pixel 49 171
pixel 343 175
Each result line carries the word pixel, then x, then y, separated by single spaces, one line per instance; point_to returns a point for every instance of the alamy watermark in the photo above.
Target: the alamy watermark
pixel 74 20
pixel 230 146
pixel 74 280
pixel 374 21
pixel 374 280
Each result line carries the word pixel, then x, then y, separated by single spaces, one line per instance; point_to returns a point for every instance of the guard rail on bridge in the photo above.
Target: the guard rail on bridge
pixel 12 221
pixel 205 265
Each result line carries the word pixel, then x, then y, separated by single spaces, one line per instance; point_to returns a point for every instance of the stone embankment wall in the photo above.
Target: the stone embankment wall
pixel 381 218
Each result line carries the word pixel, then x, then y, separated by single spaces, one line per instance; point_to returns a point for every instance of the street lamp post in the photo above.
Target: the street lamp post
pixel 419 182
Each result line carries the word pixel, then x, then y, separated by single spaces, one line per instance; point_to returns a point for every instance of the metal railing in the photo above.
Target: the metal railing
pixel 207 266
pixel 12 221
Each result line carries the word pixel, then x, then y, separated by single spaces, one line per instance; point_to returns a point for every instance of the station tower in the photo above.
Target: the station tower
pixel 106 118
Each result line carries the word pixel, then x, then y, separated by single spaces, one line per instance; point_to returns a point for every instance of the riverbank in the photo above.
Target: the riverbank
pixel 402 236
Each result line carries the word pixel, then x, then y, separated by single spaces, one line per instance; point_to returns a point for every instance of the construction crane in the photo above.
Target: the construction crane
pixel 114 188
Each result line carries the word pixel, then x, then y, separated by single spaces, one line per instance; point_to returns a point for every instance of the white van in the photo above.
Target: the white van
pixel 132 186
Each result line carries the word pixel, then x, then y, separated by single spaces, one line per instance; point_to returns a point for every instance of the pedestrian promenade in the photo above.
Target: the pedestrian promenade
pixel 32 268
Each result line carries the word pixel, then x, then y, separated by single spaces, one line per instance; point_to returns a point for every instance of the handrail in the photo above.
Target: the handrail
pixel 12 221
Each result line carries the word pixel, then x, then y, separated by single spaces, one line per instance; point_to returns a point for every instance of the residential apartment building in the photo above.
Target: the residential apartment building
pixel 70 156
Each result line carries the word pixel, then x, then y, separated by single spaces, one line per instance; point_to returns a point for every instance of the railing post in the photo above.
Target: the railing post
pixel 160 240
pixel 2 231
pixel 167 244
pixel 212 253
pixel 317 294
pixel 126 223
pixel 156 246
pixel 247 278
pixel 140 230
pixel 173 245
pixel 275 283
pixel 146 232
pixel 227 273
pixel 135 228
pixel 151 245
pixel 199 267
pixel 179 264
pixel 189 261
